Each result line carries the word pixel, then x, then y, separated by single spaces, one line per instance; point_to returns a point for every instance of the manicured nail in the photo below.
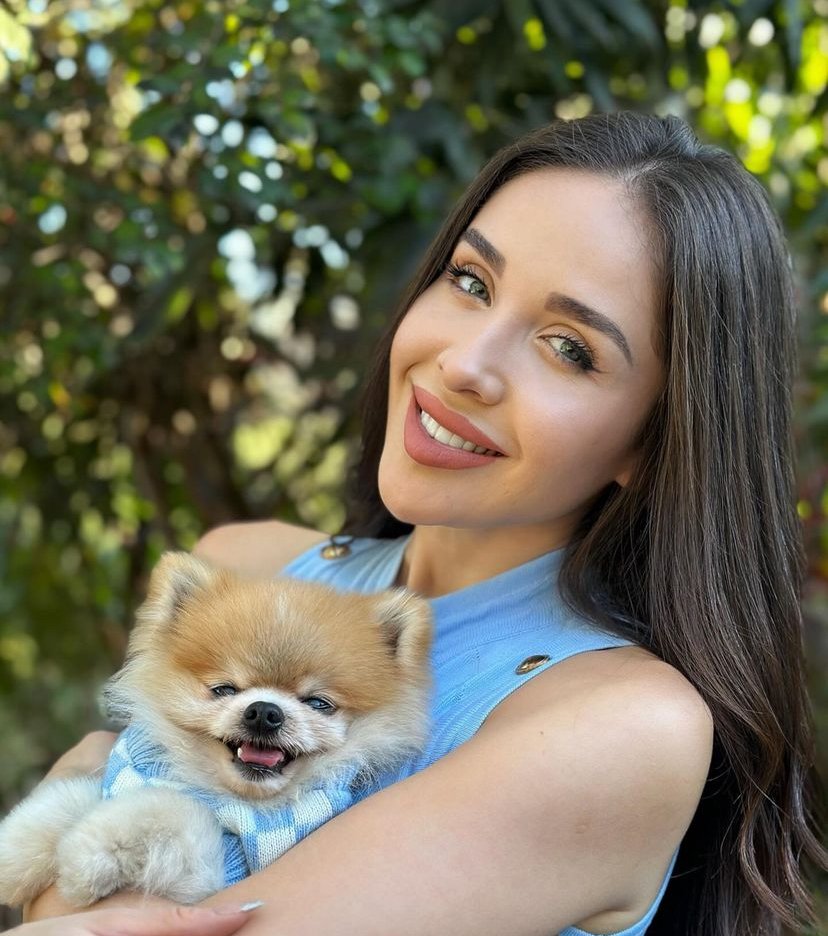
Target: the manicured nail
pixel 241 908
pixel 251 905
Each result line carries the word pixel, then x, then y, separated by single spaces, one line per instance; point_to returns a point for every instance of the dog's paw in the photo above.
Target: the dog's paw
pixel 156 841
pixel 88 869
pixel 27 864
pixel 29 836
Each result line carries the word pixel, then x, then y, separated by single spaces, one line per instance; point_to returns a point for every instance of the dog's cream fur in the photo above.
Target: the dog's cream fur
pixel 275 641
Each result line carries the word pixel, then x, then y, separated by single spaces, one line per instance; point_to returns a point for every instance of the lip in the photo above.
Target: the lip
pixel 454 422
pixel 424 450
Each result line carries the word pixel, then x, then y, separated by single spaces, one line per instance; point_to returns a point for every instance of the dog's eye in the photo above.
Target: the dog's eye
pixel 226 689
pixel 320 704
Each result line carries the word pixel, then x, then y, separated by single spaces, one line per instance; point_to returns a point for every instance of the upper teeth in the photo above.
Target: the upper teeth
pixel 441 434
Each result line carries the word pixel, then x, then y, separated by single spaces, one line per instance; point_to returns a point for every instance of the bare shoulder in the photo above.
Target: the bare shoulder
pixel 634 704
pixel 259 548
pixel 601 678
pixel 623 743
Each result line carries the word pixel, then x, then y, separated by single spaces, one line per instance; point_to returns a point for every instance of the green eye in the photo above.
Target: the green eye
pixel 320 704
pixel 467 281
pixel 572 351
pixel 474 287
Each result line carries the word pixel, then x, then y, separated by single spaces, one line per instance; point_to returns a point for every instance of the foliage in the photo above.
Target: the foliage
pixel 208 208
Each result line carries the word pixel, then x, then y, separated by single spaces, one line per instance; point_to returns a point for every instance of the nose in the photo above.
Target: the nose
pixel 475 364
pixel 263 716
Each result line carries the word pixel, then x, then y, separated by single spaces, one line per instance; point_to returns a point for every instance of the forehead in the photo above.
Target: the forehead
pixel 579 233
pixel 569 207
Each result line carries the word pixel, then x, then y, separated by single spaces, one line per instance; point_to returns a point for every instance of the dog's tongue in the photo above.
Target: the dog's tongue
pixel 265 757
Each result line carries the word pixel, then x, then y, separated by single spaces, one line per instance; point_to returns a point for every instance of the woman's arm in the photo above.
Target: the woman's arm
pixel 86 757
pixel 559 810
pixel 260 548
pixel 565 807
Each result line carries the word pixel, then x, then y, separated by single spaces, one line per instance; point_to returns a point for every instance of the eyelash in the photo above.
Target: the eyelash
pixel 455 272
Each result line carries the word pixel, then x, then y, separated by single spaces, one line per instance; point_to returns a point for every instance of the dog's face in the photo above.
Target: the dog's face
pixel 257 687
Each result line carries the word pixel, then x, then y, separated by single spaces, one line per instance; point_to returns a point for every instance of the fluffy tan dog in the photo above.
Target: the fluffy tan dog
pixel 252 708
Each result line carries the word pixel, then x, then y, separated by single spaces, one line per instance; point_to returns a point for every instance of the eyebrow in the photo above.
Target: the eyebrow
pixel 486 250
pixel 555 301
pixel 591 318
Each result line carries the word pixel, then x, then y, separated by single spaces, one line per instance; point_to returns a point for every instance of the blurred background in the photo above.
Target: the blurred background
pixel 207 211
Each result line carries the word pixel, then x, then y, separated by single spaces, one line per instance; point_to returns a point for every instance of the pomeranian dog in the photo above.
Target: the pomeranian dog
pixel 253 709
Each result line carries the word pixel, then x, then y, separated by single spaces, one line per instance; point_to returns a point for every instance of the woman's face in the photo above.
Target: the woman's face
pixel 538 343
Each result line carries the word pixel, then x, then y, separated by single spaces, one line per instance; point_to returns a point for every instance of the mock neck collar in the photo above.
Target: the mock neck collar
pixel 494 607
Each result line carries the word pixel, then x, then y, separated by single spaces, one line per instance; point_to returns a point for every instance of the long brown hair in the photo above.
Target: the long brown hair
pixel 699 558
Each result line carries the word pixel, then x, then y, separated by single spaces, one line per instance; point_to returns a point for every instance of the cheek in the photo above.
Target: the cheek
pixel 407 351
pixel 187 709
pixel 422 332
pixel 578 444
pixel 407 346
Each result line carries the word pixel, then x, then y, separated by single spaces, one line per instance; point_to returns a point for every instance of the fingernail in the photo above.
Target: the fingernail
pixel 251 905
pixel 240 908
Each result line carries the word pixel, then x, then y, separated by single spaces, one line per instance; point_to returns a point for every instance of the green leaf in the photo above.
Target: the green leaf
pixel 636 20
pixel 159 120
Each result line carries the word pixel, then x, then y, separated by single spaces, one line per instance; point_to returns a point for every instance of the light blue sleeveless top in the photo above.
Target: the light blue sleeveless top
pixel 482 635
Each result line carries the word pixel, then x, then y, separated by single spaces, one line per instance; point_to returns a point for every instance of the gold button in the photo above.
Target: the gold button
pixel 334 550
pixel 530 663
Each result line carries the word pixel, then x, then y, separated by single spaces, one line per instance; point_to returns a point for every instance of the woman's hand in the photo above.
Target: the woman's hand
pixel 152 921
pixel 88 756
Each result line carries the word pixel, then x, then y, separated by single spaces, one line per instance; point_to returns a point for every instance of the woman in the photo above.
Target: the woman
pixel 577 443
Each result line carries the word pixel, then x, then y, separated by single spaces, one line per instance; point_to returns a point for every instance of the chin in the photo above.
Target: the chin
pixel 426 505
pixel 410 498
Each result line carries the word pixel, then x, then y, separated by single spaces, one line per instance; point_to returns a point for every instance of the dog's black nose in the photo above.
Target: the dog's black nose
pixel 263 716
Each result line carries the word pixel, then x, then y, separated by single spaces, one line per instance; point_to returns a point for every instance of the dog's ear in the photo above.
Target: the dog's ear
pixel 176 579
pixel 405 619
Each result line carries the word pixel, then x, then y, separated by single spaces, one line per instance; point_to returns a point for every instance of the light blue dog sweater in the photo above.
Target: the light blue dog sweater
pixel 254 835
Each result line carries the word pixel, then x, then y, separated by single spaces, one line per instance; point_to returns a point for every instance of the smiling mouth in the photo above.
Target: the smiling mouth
pixel 257 761
pixel 447 437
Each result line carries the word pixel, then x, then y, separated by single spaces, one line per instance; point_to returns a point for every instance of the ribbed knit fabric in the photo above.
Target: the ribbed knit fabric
pixel 482 634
